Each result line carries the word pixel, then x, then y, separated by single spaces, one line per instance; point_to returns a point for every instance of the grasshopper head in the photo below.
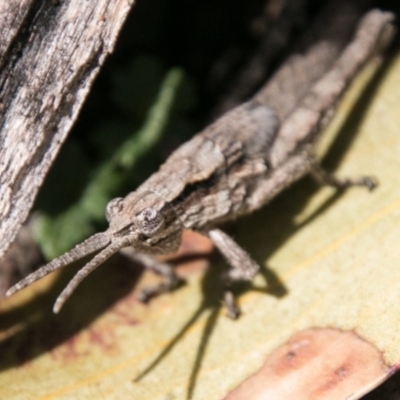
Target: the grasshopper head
pixel 131 224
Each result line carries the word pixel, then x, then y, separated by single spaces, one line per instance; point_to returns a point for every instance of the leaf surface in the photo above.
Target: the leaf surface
pixel 331 261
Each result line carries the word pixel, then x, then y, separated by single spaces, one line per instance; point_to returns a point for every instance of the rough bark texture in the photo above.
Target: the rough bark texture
pixel 50 53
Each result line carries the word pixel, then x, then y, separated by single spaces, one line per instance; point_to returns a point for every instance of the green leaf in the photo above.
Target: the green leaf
pixel 58 233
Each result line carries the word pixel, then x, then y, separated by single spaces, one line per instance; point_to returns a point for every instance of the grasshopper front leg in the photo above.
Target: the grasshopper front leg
pixel 170 279
pixel 243 267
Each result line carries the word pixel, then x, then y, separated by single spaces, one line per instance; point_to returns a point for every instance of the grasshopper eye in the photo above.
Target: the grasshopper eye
pixel 148 221
pixel 114 207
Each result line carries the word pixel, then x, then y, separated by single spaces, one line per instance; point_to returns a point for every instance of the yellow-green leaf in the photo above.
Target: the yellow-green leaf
pixel 332 264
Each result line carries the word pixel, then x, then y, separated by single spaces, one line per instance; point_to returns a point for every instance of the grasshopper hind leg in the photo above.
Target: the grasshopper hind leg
pixel 326 178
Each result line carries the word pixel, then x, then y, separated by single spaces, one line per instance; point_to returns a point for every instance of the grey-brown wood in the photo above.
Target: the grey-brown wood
pixel 50 53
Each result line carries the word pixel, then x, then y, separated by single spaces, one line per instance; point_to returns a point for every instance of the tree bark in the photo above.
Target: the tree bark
pixel 50 54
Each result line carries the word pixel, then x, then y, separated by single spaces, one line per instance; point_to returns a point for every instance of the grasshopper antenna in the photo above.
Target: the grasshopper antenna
pixel 90 245
pixel 87 269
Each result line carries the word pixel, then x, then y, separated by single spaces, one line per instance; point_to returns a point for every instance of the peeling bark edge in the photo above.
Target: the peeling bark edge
pixel 50 54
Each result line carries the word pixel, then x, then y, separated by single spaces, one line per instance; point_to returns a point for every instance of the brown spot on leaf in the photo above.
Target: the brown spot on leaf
pixel 193 254
pixel 316 364
pixel 195 243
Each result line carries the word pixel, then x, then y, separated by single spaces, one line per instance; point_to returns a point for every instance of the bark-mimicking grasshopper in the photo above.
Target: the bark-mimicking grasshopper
pixel 232 168
pixel 223 172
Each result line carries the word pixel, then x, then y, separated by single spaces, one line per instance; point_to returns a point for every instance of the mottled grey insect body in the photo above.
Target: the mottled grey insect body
pixel 224 172
pixel 232 168
pixel 203 183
